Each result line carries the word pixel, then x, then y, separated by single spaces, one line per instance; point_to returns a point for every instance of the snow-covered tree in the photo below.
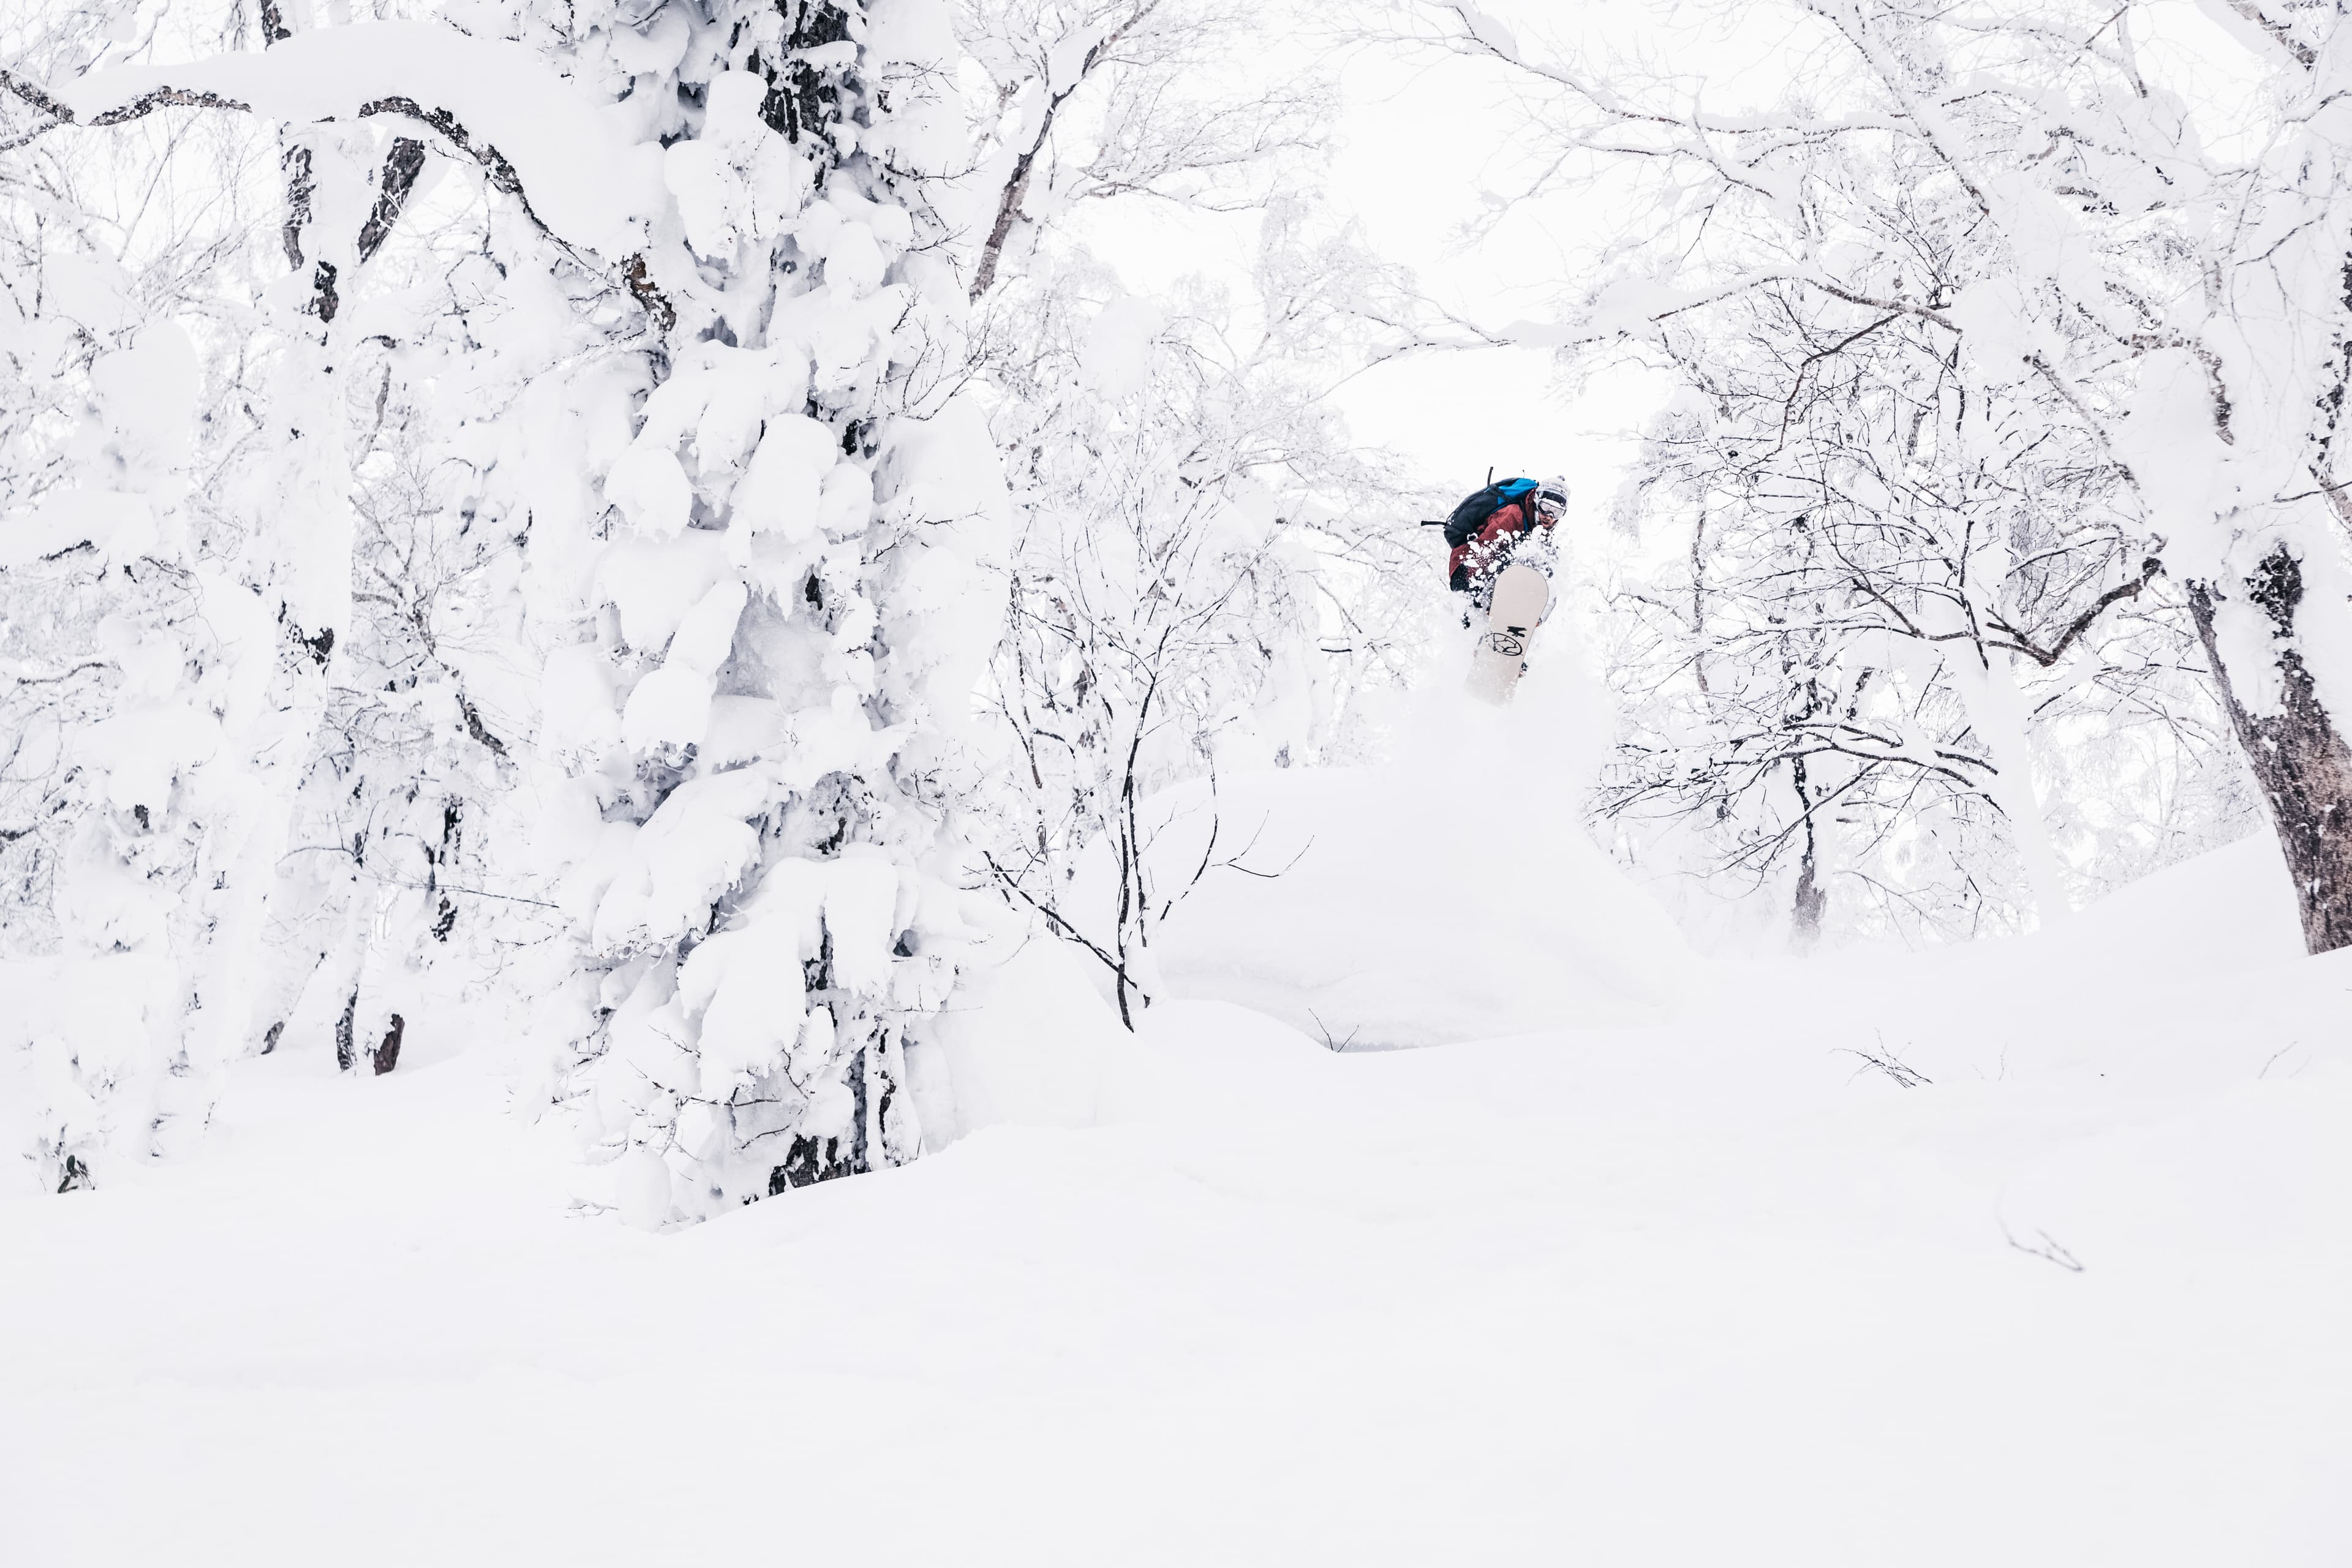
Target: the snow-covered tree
pixel 279 680
pixel 1205 567
pixel 2171 294
pixel 776 608
pixel 707 408
pixel 1877 590
pixel 121 797
pixel 108 741
pixel 1205 570
pixel 406 860
pixel 1087 100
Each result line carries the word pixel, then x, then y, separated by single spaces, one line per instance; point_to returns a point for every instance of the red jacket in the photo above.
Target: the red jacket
pixel 1478 554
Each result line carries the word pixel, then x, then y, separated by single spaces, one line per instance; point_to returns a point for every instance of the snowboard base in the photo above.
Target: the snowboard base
pixel 1517 604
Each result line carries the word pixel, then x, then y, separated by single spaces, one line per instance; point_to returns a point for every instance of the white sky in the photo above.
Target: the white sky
pixel 1412 187
pixel 1453 415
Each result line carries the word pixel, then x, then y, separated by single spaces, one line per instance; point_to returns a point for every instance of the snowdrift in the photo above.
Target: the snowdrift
pixel 2221 923
pixel 2222 912
pixel 1027 1043
pixel 1451 894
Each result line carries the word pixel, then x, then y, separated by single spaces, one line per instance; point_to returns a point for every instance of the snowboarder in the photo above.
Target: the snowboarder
pixel 1516 510
pixel 1502 539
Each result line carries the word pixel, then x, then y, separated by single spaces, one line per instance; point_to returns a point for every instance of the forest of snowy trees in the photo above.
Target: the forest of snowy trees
pixel 660 521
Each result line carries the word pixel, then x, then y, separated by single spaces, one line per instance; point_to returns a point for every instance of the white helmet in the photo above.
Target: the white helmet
pixel 1551 499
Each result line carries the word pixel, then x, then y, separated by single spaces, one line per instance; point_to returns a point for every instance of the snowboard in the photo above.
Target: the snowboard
pixel 1520 595
pixel 1517 604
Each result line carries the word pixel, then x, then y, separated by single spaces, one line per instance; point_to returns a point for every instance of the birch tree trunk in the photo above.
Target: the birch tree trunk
pixel 2298 751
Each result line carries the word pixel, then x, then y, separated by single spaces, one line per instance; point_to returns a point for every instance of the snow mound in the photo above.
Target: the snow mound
pixel 1026 1044
pixel 2226 911
pixel 1451 894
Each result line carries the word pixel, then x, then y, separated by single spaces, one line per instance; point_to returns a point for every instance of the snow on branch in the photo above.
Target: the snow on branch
pixel 568 158
pixel 2272 29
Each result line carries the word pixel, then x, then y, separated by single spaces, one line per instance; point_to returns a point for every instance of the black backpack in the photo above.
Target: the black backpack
pixel 1467 518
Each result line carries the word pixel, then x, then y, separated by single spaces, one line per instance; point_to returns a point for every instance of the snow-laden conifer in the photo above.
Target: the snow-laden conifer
pixel 776 619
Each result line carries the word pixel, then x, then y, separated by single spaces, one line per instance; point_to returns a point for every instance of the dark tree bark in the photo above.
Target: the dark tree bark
pixel 809 1160
pixel 1015 194
pixel 386 1056
pixel 1812 900
pixel 2298 754
pixel 401 168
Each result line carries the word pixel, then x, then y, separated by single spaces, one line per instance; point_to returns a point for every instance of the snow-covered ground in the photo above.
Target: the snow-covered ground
pixel 2028 1252
pixel 1706 1290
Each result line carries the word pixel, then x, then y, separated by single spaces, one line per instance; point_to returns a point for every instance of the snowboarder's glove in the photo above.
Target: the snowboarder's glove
pixel 1460 581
